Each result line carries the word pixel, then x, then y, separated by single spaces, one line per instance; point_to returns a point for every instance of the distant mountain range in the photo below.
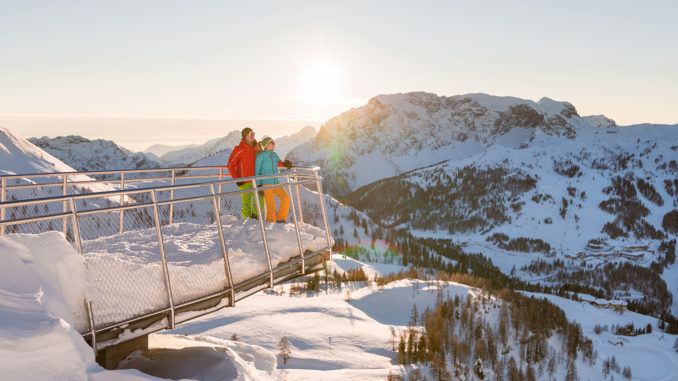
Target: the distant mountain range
pixel 215 151
pixel 98 155
pixel 94 155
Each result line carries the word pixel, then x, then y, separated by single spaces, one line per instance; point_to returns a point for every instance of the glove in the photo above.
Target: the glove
pixel 287 164
pixel 241 183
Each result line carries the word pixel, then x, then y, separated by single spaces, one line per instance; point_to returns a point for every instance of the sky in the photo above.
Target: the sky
pixel 180 72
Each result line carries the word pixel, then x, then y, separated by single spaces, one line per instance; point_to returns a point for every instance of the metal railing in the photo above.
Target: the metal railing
pixel 88 219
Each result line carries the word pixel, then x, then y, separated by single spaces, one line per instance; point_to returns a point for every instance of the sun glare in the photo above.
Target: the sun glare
pixel 320 83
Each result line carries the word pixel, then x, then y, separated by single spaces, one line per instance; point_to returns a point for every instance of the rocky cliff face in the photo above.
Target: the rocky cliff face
pixel 413 130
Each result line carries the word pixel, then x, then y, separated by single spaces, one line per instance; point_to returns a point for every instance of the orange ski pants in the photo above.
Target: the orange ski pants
pixel 283 210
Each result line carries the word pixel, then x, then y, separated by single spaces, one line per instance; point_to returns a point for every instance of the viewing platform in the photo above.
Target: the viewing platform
pixel 164 246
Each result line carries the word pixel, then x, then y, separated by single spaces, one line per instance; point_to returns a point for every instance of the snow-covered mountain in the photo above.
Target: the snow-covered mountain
pixel 94 155
pixel 397 133
pixel 285 144
pixel 161 149
pixel 191 154
pixel 19 156
pixel 540 191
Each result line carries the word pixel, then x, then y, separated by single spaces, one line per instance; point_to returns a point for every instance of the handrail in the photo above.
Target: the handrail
pixel 87 173
pixel 9 204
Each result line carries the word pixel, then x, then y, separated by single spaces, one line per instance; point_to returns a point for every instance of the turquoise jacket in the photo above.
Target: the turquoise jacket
pixel 267 163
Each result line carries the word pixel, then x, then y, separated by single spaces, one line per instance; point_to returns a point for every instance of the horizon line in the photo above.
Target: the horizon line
pixel 109 116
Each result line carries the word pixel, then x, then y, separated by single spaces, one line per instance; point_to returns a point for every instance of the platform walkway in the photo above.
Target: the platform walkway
pixel 165 246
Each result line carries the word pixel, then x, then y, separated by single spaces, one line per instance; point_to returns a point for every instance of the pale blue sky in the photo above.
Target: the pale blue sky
pixel 311 60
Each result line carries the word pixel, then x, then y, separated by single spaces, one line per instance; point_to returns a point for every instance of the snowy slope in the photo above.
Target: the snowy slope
pixel 19 156
pixel 602 197
pixel 396 133
pixel 93 155
pixel 649 356
pixel 346 334
pixel 540 181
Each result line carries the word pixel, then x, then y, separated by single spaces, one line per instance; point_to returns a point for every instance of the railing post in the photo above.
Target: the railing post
pixel 322 208
pixel 64 190
pixel 296 187
pixel 296 227
pixel 3 198
pixel 171 211
pixel 263 233
pixel 161 246
pixel 90 316
pixel 122 201
pixel 227 263
pixel 221 177
pixel 76 227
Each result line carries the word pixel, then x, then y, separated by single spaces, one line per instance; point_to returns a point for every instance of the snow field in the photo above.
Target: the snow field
pixel 333 336
pixel 650 356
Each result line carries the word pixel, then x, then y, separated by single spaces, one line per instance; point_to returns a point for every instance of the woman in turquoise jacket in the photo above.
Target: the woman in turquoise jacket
pixel 267 163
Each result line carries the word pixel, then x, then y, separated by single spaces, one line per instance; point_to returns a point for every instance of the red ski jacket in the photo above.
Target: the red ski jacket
pixel 242 159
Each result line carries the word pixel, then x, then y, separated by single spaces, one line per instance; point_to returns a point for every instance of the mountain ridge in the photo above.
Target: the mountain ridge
pixel 93 155
pixel 397 128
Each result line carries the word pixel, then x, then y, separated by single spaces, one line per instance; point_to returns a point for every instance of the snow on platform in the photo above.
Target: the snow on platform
pixel 127 270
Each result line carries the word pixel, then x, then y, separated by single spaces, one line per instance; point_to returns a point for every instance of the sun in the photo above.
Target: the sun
pixel 320 83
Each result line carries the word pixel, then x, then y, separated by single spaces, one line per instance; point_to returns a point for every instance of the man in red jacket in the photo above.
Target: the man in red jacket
pixel 241 164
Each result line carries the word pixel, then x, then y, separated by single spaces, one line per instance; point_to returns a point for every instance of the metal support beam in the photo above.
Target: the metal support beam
pixel 296 187
pixel 322 208
pixel 227 263
pixel 221 178
pixel 171 211
pixel 92 327
pixel 3 198
pixel 76 227
pixel 263 232
pixel 122 202
pixel 296 226
pixel 165 270
pixel 64 190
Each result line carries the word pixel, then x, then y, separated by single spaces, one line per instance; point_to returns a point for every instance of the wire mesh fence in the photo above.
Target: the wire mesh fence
pixel 125 268
pixel 195 258
pixel 244 262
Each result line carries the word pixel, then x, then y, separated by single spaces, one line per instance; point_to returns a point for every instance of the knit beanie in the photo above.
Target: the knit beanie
pixel 265 141
pixel 246 131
